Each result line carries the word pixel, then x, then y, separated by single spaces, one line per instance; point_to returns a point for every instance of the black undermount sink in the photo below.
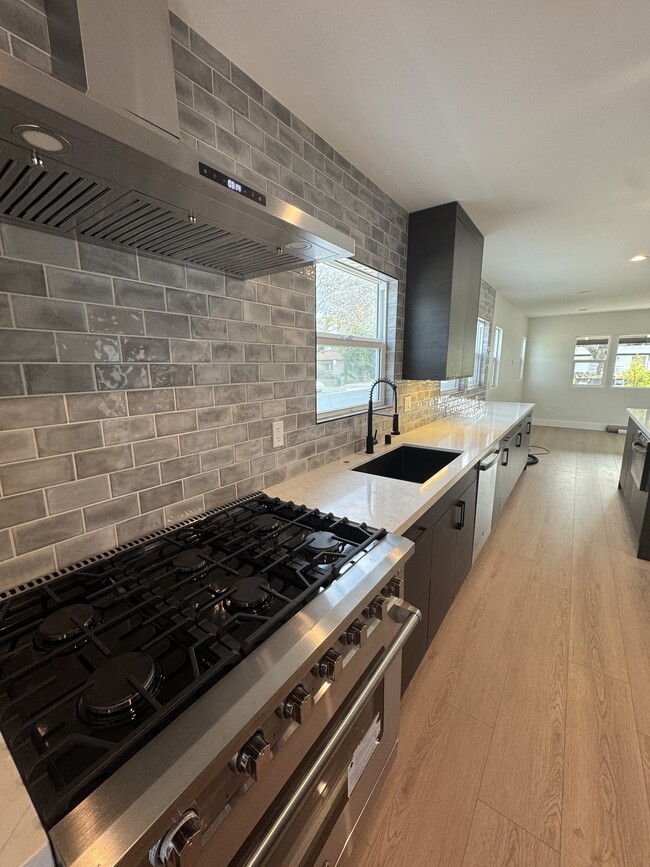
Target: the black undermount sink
pixel 409 463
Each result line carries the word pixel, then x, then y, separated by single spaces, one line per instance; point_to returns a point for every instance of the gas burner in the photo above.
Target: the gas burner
pixel 192 559
pixel 250 594
pixel 263 524
pixel 111 696
pixel 66 623
pixel 323 542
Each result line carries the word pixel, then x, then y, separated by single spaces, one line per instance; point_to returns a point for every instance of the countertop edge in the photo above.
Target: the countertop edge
pixel 641 417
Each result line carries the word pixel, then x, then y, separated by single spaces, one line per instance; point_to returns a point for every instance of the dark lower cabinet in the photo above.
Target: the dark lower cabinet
pixel 635 484
pixel 444 542
pixel 444 538
pixel 416 591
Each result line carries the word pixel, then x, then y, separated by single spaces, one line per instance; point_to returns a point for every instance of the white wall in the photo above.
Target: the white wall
pixel 515 326
pixel 549 369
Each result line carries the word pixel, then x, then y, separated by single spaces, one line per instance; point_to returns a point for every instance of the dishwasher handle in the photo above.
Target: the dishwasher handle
pixel 487 465
pixel 410 617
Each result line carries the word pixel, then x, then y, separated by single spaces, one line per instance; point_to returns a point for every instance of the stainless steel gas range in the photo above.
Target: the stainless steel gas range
pixel 225 692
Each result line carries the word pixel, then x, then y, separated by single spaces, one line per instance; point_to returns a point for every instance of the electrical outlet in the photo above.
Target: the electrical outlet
pixel 407 403
pixel 278 434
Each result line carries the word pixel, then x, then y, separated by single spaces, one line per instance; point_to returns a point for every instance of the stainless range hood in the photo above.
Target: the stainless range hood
pixel 126 182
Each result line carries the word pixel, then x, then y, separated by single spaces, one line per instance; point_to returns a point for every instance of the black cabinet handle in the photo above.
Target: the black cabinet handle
pixel 506 455
pixel 520 436
pixel 461 505
pixel 415 536
pixel 528 427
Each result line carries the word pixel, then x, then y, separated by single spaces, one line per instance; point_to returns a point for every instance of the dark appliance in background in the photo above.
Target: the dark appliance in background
pixel 213 694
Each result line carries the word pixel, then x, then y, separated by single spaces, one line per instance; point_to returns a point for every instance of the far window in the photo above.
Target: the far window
pixel 350 336
pixel 522 357
pixel 477 378
pixel 632 365
pixel 590 360
pixel 449 385
pixel 495 364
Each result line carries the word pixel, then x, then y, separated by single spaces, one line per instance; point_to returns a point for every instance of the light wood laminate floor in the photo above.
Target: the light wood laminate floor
pixel 525 735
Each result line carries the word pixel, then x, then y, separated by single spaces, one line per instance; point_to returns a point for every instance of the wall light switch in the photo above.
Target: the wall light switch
pixel 407 403
pixel 278 434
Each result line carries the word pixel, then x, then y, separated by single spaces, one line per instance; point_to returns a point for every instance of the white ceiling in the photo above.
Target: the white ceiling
pixel 534 114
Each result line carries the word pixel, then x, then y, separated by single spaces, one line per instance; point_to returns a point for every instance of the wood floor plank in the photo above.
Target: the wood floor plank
pixel 495 841
pixel 477 670
pixel 606 818
pixel 632 583
pixel 596 639
pixel 524 772
pixel 428 802
pixel 554 550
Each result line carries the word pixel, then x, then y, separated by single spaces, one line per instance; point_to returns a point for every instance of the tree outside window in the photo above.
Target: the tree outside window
pixel 351 335
pixel 632 365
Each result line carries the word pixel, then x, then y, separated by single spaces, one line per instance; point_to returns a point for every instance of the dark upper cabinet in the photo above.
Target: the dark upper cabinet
pixel 443 282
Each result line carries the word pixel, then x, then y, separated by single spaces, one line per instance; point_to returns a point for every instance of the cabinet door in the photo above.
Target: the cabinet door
pixel 466 514
pixel 501 490
pixel 417 578
pixel 443 565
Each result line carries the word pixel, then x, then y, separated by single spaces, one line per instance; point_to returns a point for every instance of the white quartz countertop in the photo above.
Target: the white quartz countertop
pixel 642 418
pixel 392 503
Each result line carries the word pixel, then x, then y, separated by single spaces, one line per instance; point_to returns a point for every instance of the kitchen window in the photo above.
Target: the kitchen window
pixel 590 360
pixel 477 379
pixel 351 302
pixel 495 364
pixel 632 364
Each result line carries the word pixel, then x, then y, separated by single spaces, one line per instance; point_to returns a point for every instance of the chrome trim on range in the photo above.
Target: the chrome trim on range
pixel 411 617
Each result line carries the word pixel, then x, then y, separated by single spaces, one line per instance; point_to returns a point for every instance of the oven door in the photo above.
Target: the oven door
pixel 640 461
pixel 321 805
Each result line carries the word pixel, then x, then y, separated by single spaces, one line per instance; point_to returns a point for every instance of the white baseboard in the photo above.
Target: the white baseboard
pixel 579 425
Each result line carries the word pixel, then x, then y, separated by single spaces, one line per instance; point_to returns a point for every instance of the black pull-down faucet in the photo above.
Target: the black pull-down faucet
pixel 370 439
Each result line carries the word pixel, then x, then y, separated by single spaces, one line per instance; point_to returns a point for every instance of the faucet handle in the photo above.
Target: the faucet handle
pixel 374 439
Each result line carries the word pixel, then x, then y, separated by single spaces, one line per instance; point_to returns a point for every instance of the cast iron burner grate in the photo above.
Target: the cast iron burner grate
pixel 95 662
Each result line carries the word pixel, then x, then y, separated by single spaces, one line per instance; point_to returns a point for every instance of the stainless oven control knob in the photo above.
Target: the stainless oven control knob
pixel 331 665
pixel 298 705
pixel 180 847
pixel 254 757
pixel 394 587
pixel 356 633
pixel 377 607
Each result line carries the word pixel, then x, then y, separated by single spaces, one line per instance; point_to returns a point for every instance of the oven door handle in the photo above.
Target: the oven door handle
pixel 410 617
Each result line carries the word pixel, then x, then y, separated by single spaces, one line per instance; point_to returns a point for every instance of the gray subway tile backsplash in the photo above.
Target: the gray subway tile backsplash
pixel 163 380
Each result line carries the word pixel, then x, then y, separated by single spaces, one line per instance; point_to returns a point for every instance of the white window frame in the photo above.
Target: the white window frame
pixel 481 346
pixel 612 377
pixel 605 361
pixel 381 342
pixel 522 357
pixel 495 360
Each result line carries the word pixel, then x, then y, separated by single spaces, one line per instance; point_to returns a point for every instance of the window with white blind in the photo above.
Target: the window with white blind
pixel 495 361
pixel 477 379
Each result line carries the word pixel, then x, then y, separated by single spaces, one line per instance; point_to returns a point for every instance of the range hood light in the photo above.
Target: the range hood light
pixel 41 139
pixel 298 245
pixel 640 257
